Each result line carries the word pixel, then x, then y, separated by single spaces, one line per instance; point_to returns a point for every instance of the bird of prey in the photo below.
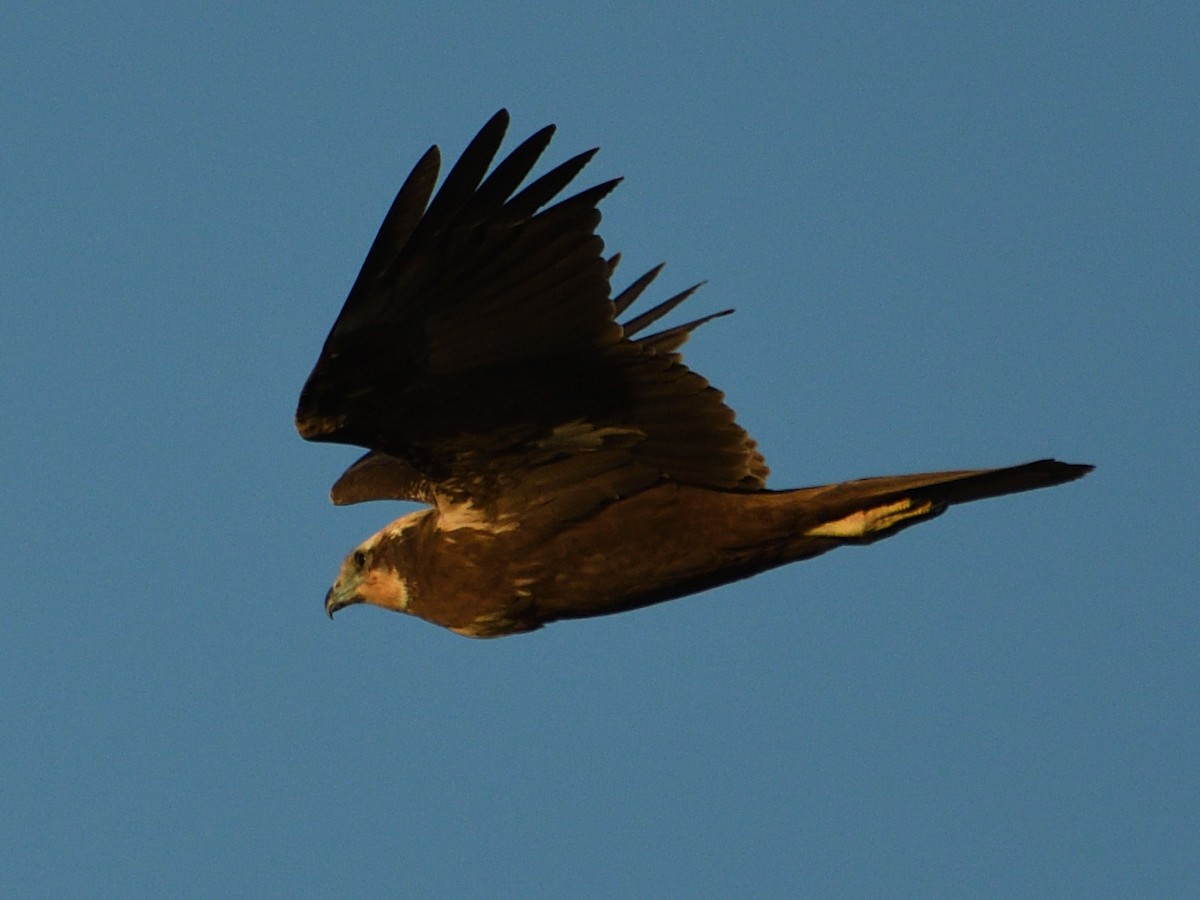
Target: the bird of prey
pixel 573 466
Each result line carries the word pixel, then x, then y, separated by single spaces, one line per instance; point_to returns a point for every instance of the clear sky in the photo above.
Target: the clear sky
pixel 956 235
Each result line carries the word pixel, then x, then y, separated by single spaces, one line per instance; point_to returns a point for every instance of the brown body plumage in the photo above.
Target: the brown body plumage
pixel 574 467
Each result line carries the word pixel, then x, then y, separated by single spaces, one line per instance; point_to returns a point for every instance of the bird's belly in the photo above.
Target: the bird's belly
pixel 664 543
pixel 657 545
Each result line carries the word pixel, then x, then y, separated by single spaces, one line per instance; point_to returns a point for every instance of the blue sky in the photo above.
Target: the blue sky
pixel 955 234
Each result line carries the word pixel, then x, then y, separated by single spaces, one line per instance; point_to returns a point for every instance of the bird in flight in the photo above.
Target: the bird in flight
pixel 572 465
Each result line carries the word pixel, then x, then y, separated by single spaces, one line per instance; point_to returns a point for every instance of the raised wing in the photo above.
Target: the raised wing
pixel 478 358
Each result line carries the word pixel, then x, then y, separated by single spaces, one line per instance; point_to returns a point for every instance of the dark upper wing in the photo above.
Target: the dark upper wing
pixel 477 355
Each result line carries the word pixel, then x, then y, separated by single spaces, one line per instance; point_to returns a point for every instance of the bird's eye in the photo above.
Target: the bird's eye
pixel 360 559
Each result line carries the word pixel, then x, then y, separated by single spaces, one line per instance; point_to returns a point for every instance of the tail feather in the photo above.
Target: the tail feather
pixel 873 508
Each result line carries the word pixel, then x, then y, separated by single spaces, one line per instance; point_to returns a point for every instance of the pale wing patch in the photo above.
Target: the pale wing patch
pixel 583 435
pixel 865 522
pixel 453 516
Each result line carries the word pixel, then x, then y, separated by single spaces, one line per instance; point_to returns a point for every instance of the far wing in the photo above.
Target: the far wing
pixel 380 476
pixel 478 350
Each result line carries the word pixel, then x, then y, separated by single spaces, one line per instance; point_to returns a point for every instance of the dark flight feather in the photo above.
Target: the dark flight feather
pixel 482 321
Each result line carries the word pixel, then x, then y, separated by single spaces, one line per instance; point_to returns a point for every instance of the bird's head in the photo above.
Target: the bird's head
pixel 369 575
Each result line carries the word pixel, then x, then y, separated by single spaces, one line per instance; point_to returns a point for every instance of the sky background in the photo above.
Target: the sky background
pixel 956 235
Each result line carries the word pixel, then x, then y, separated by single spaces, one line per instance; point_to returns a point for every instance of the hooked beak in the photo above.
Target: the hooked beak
pixel 338 598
